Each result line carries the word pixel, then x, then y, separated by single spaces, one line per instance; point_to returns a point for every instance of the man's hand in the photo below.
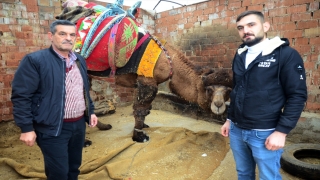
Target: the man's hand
pixel 275 141
pixel 93 121
pixel 225 129
pixel 28 138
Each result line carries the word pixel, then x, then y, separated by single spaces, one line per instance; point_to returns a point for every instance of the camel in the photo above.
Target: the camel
pixel 208 88
pixel 202 88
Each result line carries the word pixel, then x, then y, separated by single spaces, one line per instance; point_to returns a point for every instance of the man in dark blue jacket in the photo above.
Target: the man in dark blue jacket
pixel 51 102
pixel 267 99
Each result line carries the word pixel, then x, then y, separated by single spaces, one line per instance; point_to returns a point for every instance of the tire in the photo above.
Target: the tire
pixel 290 160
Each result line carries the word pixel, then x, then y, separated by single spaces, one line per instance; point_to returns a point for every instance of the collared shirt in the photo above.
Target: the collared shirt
pixel 72 58
pixel 74 99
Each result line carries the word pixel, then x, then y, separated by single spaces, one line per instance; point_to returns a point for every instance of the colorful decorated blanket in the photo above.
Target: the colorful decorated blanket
pixel 107 38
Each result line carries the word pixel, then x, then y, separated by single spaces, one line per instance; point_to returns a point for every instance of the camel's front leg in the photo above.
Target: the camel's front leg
pixel 141 108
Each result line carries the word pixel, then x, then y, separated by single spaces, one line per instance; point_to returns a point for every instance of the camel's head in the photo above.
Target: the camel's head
pixel 218 85
pixel 218 95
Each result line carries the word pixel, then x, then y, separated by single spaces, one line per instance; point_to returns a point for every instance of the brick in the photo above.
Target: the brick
pixel 46 9
pixel 197 13
pixel 4 13
pixel 300 16
pixel 212 4
pixel 316 14
pixel 8 1
pixel 284 3
pixel 10 63
pixel 285 26
pixel 306 49
pixel 202 6
pixel 57 3
pixel 281 19
pixel 44 3
pixel 9 20
pixel 277 12
pixel 301 1
pixel 234 5
pixel 30 2
pixel 269 5
pixel 315 40
pixel 191 8
pixel 297 9
pixel 262 1
pixel 209 11
pixel 15 28
pixel 314 57
pixel 12 48
pixel 307 24
pixel 303 41
pixel 246 3
pixel 313 6
pixel 26 28
pixel 3 49
pixel 44 23
pixel 292 34
pixel 224 14
pixel 221 8
pixel 256 7
pixel 4 28
pixel 30 8
pixel 313 106
pixel 19 35
pixel 312 32
pixel 22 21
pixel 309 65
pixel 203 18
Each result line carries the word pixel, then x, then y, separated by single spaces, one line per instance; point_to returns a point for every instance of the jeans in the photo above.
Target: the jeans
pixel 249 150
pixel 63 154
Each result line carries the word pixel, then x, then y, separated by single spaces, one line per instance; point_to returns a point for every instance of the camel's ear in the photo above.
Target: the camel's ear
pixel 205 81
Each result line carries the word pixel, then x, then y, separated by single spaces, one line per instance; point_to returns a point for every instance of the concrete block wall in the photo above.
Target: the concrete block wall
pixel 206 33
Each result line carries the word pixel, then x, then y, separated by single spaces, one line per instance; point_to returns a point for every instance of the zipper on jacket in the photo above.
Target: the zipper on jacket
pixel 63 91
pixel 85 90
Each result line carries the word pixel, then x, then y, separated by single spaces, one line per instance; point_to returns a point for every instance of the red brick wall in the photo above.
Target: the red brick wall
pixel 206 33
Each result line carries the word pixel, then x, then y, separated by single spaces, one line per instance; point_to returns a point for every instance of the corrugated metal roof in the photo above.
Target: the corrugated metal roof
pixel 158 5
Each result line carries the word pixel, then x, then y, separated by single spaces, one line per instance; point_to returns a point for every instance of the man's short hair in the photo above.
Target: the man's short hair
pixel 53 25
pixel 246 13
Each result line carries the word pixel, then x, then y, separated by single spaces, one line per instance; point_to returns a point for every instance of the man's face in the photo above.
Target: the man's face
pixel 63 39
pixel 251 30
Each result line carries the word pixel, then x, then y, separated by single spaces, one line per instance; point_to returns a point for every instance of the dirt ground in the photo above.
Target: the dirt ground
pixel 162 122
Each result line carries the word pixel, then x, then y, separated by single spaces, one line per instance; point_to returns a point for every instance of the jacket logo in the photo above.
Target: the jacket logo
pixel 266 63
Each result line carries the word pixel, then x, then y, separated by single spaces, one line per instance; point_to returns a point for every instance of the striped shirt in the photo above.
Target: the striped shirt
pixel 74 98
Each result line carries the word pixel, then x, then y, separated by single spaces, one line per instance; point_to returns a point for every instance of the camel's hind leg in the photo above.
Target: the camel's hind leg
pixel 141 108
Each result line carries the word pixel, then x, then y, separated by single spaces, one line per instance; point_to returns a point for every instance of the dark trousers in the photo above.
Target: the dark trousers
pixel 63 154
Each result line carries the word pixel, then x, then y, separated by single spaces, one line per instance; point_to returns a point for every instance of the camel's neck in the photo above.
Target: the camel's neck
pixel 185 82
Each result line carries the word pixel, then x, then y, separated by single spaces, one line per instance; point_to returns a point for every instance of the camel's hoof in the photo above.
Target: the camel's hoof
pixel 140 137
pixel 145 126
pixel 87 143
pixel 104 127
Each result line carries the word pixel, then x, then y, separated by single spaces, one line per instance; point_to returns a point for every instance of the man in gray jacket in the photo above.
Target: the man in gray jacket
pixel 267 99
